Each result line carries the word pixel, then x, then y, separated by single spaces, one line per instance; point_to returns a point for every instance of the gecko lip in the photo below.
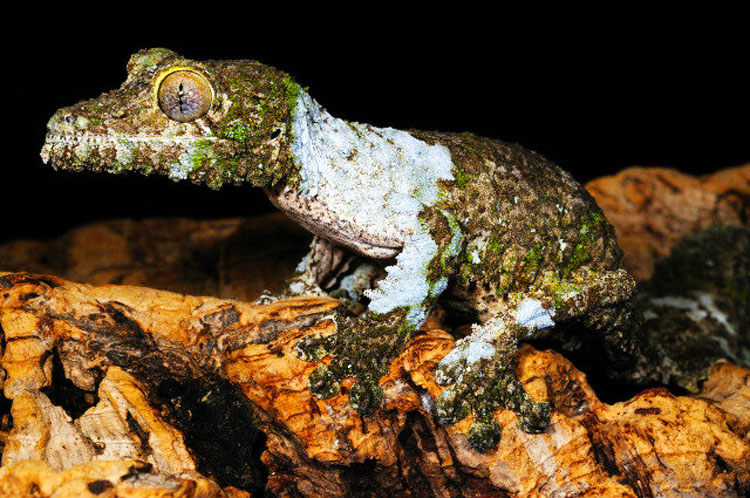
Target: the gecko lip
pixel 61 148
pixel 74 139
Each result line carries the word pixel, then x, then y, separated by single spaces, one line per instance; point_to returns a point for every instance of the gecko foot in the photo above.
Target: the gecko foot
pixel 483 380
pixel 362 348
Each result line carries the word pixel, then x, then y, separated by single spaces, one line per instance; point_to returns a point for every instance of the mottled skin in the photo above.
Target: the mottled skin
pixel 696 309
pixel 525 231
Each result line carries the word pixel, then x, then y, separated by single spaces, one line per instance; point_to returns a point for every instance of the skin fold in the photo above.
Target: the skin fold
pixel 404 221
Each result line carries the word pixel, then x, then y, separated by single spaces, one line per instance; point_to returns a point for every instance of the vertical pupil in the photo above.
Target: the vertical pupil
pixel 180 94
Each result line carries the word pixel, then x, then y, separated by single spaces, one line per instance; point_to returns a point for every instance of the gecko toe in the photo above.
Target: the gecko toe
pixel 535 417
pixel 365 397
pixel 323 383
pixel 484 435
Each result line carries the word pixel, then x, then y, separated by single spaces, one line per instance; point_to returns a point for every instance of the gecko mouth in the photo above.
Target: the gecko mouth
pixel 64 147
pixel 175 156
pixel 195 158
pixel 75 139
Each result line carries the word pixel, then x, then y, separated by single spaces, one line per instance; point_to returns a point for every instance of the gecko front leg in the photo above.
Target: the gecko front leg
pixel 364 346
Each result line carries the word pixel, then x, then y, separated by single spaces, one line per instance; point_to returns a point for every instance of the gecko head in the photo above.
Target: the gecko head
pixel 211 122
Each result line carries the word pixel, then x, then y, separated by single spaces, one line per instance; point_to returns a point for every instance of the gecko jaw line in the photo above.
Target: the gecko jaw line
pixel 109 139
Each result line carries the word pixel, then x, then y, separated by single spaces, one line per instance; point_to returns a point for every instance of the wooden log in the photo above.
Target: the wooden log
pixel 213 389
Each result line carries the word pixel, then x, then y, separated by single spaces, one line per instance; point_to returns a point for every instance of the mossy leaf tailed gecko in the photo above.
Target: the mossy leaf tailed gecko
pixel 495 234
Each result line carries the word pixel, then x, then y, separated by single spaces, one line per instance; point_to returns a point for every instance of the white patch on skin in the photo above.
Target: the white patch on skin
pixel 475 257
pixel 297 287
pixel 179 170
pixel 477 351
pixel 531 314
pixel 359 280
pixel 707 300
pixel 405 284
pixel 725 347
pixel 124 152
pixel 476 346
pixel 302 265
pixel 697 310
pixel 690 306
pixel 378 180
pixel 681 303
pixel 438 287
pixel 563 244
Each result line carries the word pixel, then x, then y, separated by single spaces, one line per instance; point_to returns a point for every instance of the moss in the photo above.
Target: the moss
pixel 463 179
pixel 590 230
pixel 202 157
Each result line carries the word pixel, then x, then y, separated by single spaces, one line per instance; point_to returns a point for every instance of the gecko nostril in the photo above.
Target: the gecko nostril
pixel 68 118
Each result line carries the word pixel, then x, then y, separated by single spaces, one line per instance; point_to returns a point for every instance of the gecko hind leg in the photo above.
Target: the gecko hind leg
pixel 329 269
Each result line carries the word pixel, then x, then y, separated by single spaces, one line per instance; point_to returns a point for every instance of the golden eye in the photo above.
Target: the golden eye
pixel 184 96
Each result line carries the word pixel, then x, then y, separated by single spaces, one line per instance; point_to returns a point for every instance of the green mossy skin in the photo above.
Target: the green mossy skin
pixel 484 435
pixel 323 383
pixel 489 385
pixel 311 348
pixel 244 138
pixel 452 406
pixel 681 345
pixel 360 349
pixel 716 260
pixel 365 398
pixel 533 230
pixel 530 231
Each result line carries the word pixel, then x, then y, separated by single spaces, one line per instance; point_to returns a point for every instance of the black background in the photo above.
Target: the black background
pixel 594 91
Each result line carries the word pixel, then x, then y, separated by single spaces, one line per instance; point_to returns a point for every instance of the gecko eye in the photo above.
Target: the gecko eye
pixel 184 96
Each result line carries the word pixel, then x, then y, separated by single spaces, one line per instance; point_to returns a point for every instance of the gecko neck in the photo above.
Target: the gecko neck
pixel 359 165
pixel 365 187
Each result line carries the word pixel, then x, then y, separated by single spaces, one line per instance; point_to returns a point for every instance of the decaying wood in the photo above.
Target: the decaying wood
pixel 127 478
pixel 653 208
pixel 111 381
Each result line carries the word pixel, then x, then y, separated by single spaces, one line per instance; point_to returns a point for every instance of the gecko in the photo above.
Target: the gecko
pixel 404 222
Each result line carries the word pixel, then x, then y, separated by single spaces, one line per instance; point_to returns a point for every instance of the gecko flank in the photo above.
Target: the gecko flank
pixel 404 221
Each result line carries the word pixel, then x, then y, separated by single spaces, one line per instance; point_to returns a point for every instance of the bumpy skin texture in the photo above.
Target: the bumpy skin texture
pixel 498 235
